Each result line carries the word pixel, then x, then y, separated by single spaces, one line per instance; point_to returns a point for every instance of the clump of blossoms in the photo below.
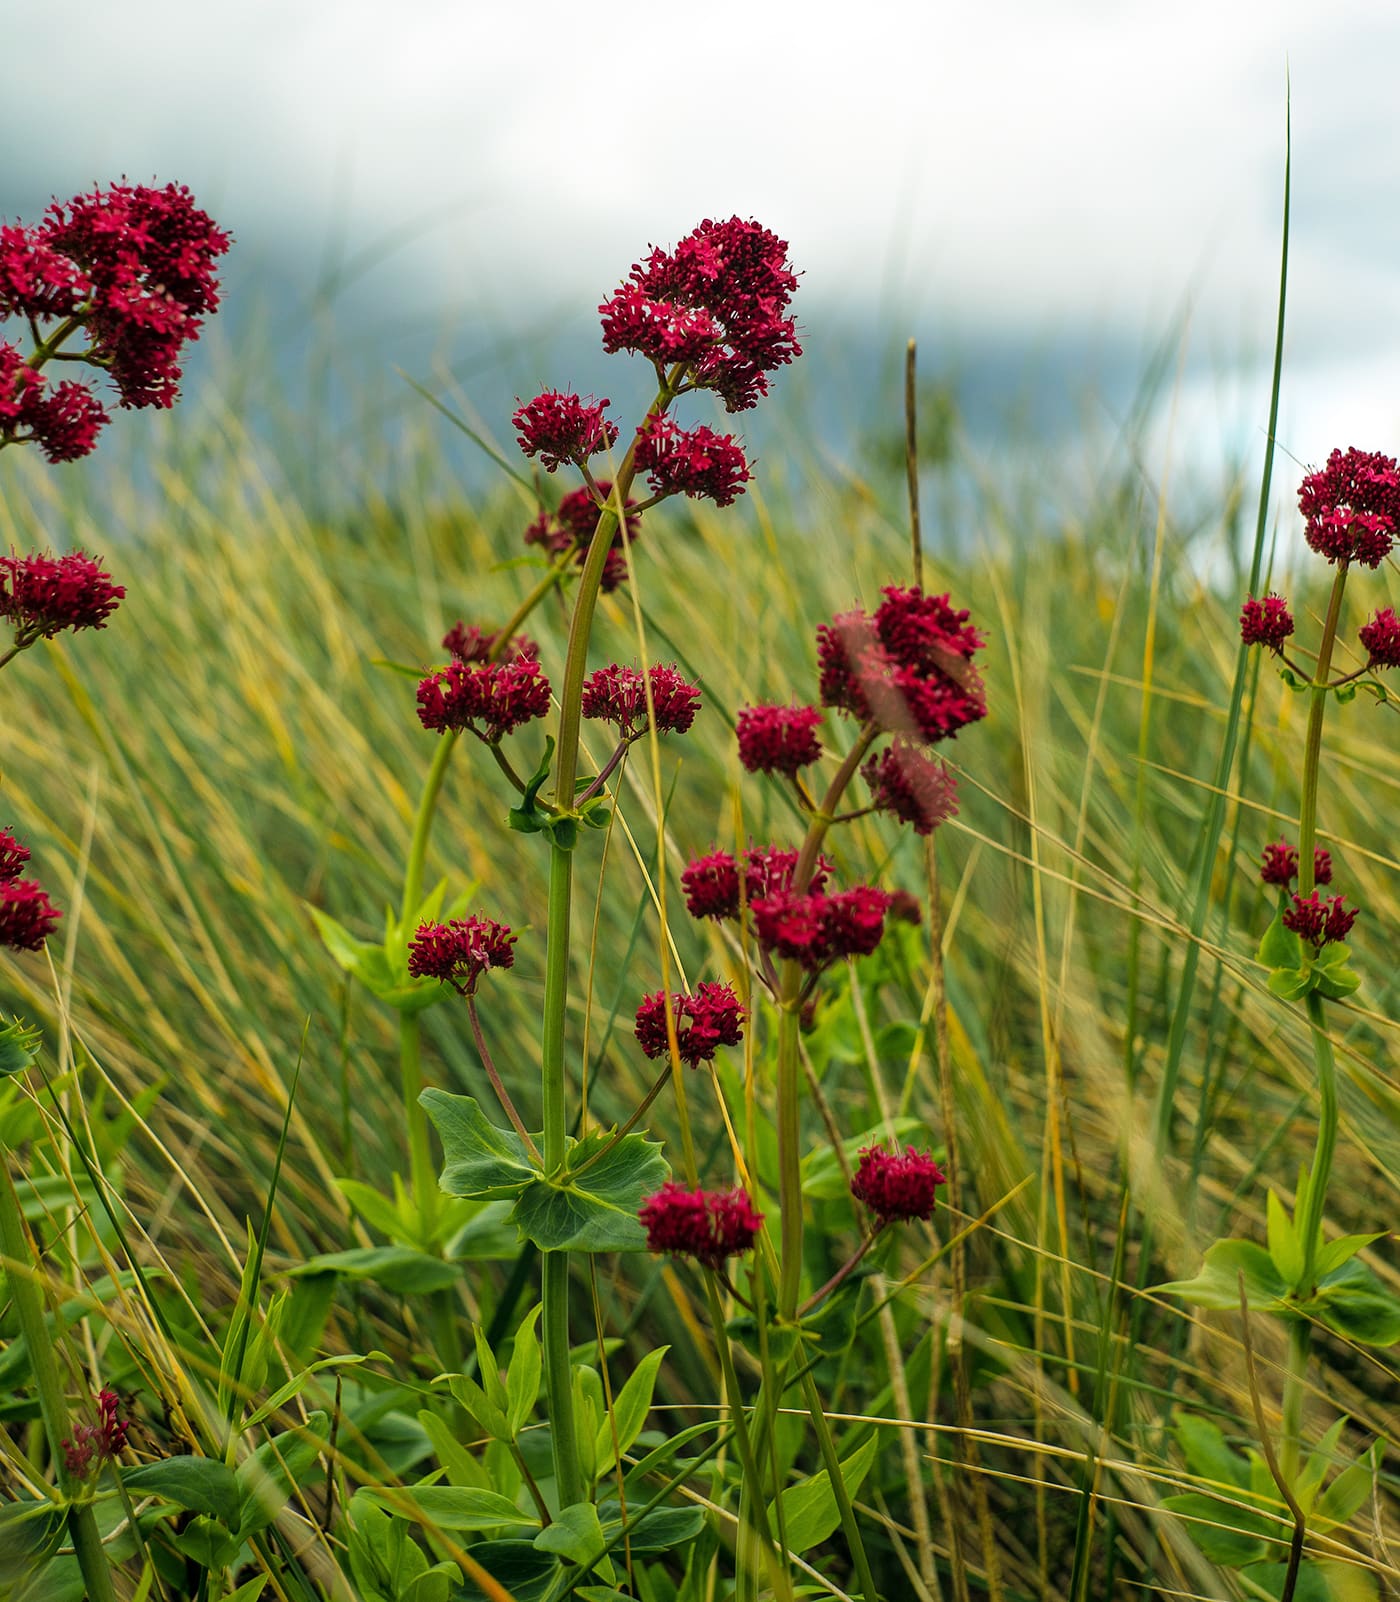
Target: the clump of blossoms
pixel 779 739
pixel 27 916
pixel 706 1020
pixel 570 527
pixel 618 696
pixel 459 952
pixel 1280 864
pixel 1319 922
pixel 130 268
pixel 896 1187
pixel 42 595
pixel 708 1225
pixel 491 699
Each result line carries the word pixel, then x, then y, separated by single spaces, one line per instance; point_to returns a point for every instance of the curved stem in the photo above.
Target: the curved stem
pixel 423 824
pixel 502 1095
pixel 1312 745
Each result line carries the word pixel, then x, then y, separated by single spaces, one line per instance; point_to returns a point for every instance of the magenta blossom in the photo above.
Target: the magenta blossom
pixel 1280 864
pixel 708 1225
pixel 492 699
pixel 817 928
pixel 27 916
pixel 695 462
pixel 710 1018
pixel 1381 637
pixel 570 528
pixel 1320 922
pixel 915 789
pixel 1267 622
pixel 42 595
pixel 711 883
pixel 895 1187
pixel 779 739
pixel 104 1440
pixel 618 695
pixel 1352 506
pixel 559 427
pixel 459 952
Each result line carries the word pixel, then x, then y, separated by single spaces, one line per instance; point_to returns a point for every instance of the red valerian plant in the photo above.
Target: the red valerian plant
pixel 618 695
pixel 491 699
pixel 559 428
pixel 104 1440
pixel 43 595
pixel 459 952
pixel 27 916
pixel 570 527
pixel 779 739
pixel 708 1225
pixel 897 1187
pixel 1267 622
pixel 1280 865
pixel 710 1018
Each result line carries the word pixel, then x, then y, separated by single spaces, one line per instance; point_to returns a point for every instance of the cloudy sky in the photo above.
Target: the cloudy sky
pixel 1015 171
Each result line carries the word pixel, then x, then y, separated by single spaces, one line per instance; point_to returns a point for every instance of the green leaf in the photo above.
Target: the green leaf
pixel 201 1484
pixel 383 971
pixel 489 1418
pixel 630 1408
pixel 1337 982
pixel 381 1211
pixel 1289 984
pixel 489 1370
pixel 482 1161
pixel 462 1468
pixel 399 1269
pixel 453 1507
pixel 576 1534
pixel 1284 1246
pixel 207 1543
pixel 267 1478
pixel 488 1236
pixel 1291 679
pixel 1207 1453
pixel 810 1513
pixel 1354 1303
pixel 1345 693
pixel 434 1586
pixel 1318 1581
pixel 1321 1460
pixel 528 817
pixel 1342 1250
pixel 664 1529
pixel 298 1383
pixel 1227 1535
pixel 597 1211
pixel 19 1045
pixel 528 1575
pixel 1280 947
pixel 523 1375
pixel 1217 1284
pixel 1351 1488
pixel 30 1533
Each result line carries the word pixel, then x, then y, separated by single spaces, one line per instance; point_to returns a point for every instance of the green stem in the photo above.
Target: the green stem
pixel 832 1464
pixel 423 824
pixel 1294 1389
pixel 43 1368
pixel 554 1290
pixel 1312 746
pixel 1311 1224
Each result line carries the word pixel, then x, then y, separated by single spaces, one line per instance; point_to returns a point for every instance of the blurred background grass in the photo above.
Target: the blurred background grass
pixel 238 746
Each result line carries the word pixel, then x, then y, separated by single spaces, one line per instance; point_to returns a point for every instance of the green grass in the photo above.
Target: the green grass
pixel 232 750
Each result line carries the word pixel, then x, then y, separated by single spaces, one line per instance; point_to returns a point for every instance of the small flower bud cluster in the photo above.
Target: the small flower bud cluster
pixel 104 1440
pixel 133 268
pixel 27 916
pixel 1352 507
pixel 459 952
pixel 1280 864
pixel 1267 622
pixel 559 427
pixel 708 1225
pixel 618 695
pixel 570 528
pixel 779 739
pixel 710 1018
pixel 43 595
pixel 1320 922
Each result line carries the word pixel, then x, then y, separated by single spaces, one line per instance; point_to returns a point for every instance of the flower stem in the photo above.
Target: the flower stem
pixel 502 1095
pixel 841 1275
pixel 43 1369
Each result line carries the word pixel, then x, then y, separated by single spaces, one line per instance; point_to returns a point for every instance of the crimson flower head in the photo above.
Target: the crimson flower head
pixel 711 883
pixel 13 856
pixel 909 667
pixel 1280 864
pixel 1319 921
pixel 716 304
pixel 1352 506
pixel 895 1187
pixel 708 1225
pixel 917 790
pixel 710 1018
pixel 490 698
pixel 1381 637
pixel 617 695
pixel 63 420
pixel 42 595
pixel 36 280
pixel 817 928
pixel 459 952
pixel 691 461
pixel 559 427
pixel 468 643
pixel 779 739
pixel 1267 622
pixel 570 528
pixel 104 1440
pixel 27 916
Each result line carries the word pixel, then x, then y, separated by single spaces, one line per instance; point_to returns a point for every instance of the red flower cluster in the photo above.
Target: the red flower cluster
pixel 893 1187
pixel 570 528
pixel 458 953
pixel 915 789
pixel 817 929
pixel 468 643
pixel 779 739
pixel 41 595
pixel 715 304
pixel 490 698
pixel 909 667
pixel 103 1440
pixel 1352 507
pixel 27 916
pixel 1280 864
pixel 134 266
pixel 1381 637
pixel 559 427
pixel 711 883
pixel 1319 921
pixel 1267 622
pixel 691 461
pixel 708 1225
pixel 716 1018
pixel 617 695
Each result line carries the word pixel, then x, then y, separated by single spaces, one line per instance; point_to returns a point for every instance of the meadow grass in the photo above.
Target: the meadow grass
pixel 240 746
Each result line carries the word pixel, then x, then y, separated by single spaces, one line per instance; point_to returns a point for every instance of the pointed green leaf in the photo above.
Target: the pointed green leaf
pixel 1345 693
pixel 1354 1303
pixel 630 1408
pixel 462 1468
pixel 489 1370
pixel 523 1375
pixel 19 1045
pixel 1280 947
pixel 597 1211
pixel 528 817
pixel 1284 1246
pixel 1289 984
pixel 1217 1284
pixel 267 1478
pixel 452 1507
pixel 1350 1490
pixel 1342 1250
pixel 576 1534
pixel 1337 982
pixel 664 1529
pixel 1207 1453
pixel 399 1269
pixel 201 1484
pixel 810 1513
pixel 1319 1580
pixel 489 1418
pixel 1228 1535
pixel 377 1209
pixel 482 1161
